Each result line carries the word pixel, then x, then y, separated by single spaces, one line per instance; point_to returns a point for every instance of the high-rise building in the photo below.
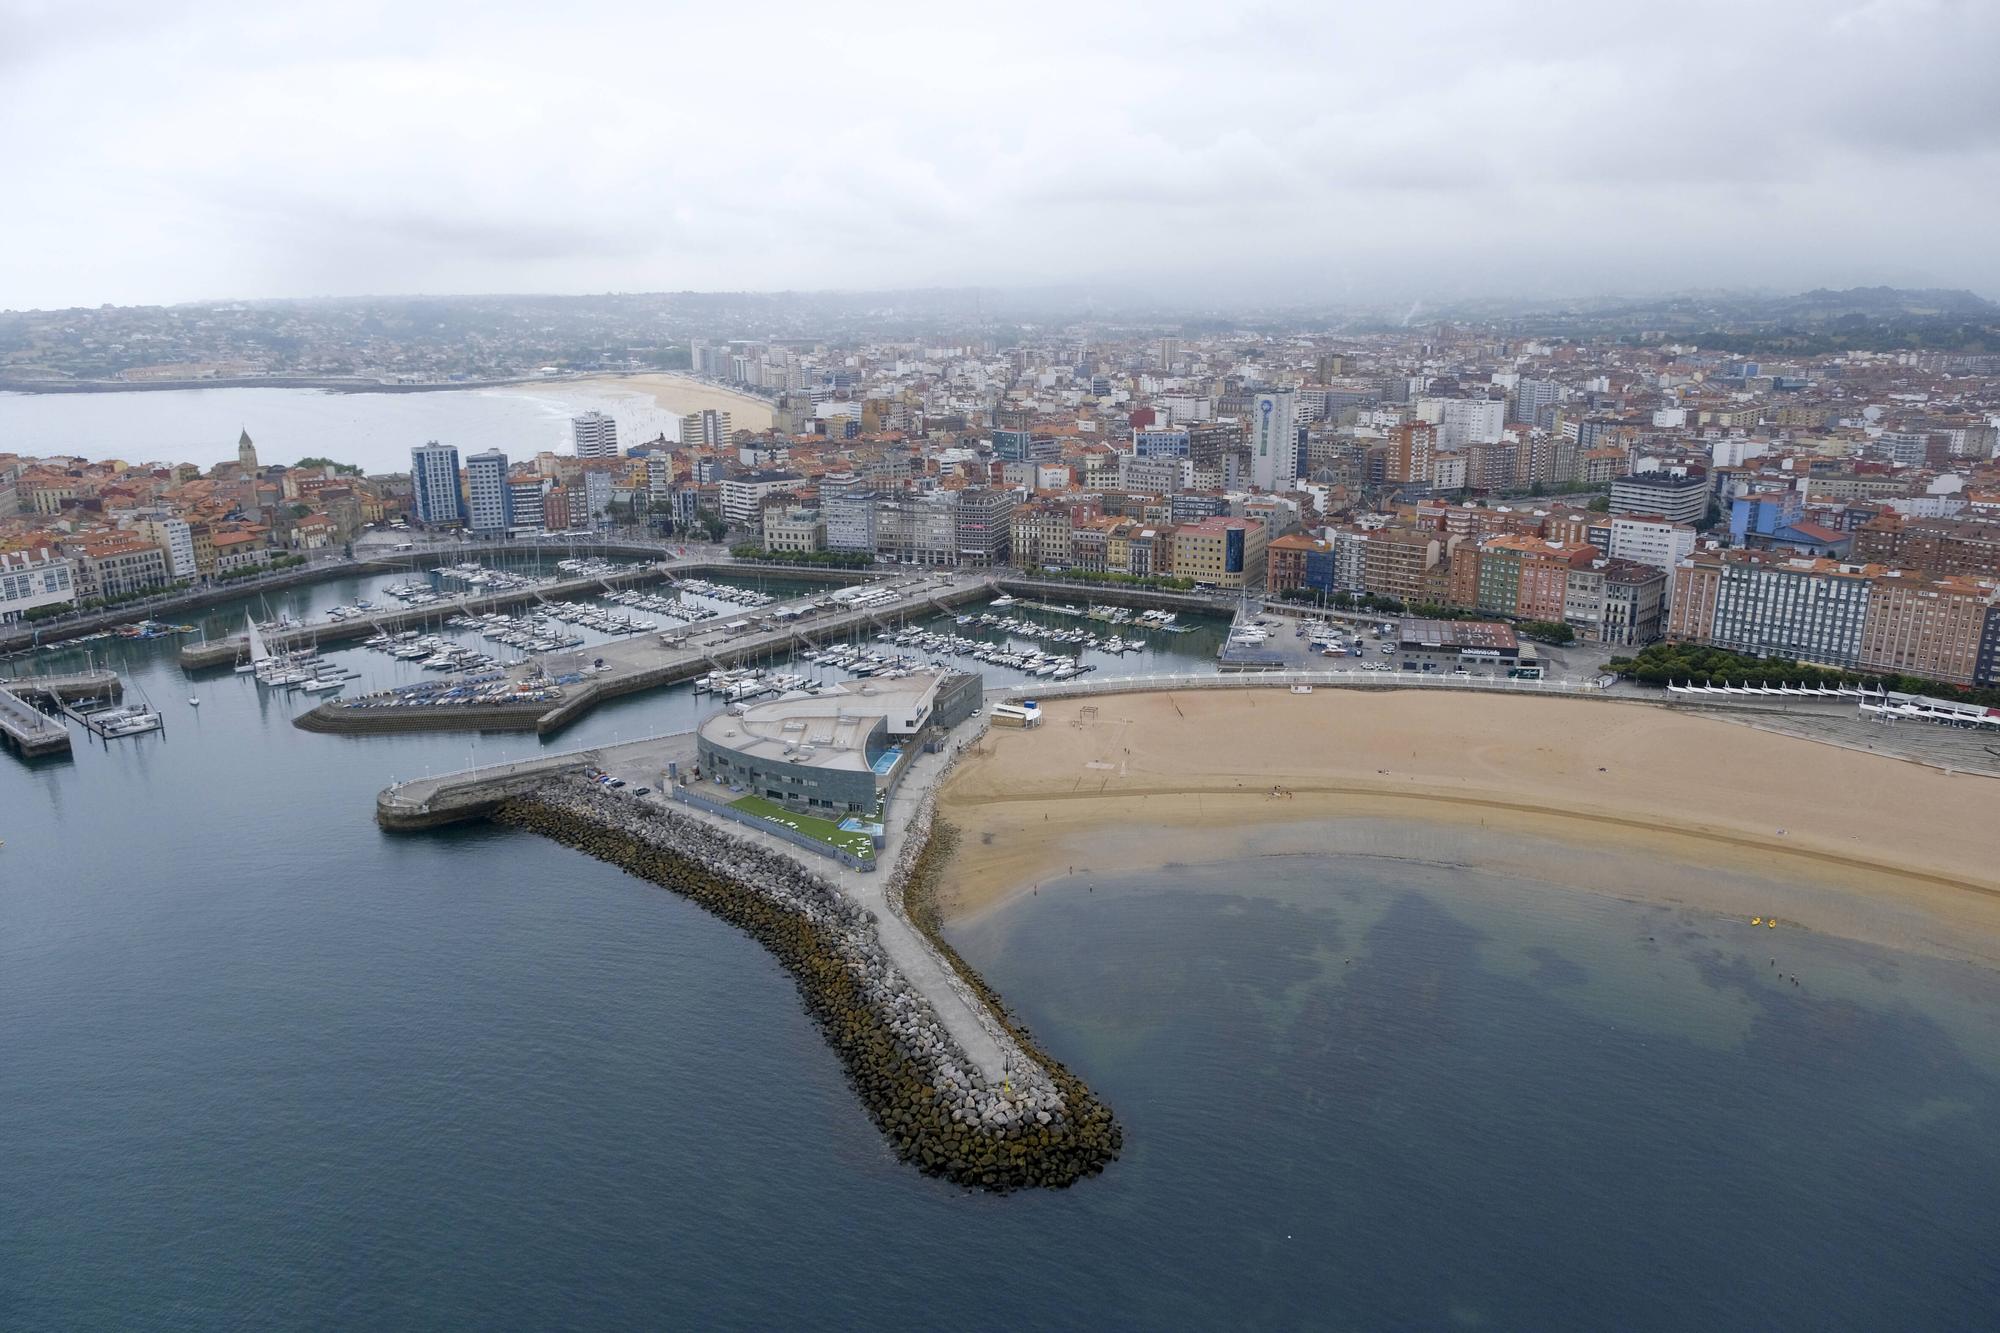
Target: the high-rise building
pixel 596 435
pixel 434 484
pixel 1463 421
pixel 1411 447
pixel 707 427
pixel 1678 499
pixel 489 506
pixel 1531 396
pixel 596 496
pixel 1274 439
pixel 524 503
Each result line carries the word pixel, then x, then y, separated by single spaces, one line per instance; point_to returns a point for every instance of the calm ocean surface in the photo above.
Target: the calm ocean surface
pixel 262 1066
pixel 373 431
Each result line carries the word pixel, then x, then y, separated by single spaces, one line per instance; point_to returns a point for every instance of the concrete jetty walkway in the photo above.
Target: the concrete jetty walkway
pixel 649 661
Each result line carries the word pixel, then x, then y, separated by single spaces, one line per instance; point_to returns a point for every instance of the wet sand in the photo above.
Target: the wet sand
pixel 1633 800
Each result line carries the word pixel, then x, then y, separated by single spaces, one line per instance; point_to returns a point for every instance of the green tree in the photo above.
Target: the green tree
pixel 1548 631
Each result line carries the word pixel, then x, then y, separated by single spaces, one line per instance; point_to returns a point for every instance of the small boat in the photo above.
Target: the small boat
pixel 193 702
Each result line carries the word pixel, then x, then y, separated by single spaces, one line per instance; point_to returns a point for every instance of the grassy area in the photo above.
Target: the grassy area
pixel 812 826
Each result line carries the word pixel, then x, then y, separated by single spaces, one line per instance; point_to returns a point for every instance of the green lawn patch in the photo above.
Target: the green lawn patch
pixel 825 830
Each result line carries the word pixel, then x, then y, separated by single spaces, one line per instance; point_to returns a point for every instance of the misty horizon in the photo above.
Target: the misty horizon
pixel 193 153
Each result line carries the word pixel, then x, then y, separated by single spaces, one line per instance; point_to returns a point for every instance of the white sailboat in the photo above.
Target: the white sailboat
pixel 259 654
pixel 257 651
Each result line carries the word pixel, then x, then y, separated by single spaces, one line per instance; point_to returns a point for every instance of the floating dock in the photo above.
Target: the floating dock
pixel 32 733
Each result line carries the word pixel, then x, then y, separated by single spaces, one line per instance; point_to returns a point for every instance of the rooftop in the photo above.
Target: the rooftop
pixel 829 730
pixel 1458 634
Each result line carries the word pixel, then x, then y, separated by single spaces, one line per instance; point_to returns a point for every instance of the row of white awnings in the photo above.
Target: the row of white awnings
pixel 1791 691
pixel 1892 704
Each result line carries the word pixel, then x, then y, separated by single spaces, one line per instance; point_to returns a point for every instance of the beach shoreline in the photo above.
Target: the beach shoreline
pixel 678 394
pixel 1646 804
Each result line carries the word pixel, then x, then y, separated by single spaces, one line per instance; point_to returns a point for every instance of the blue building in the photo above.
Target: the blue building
pixel 1161 443
pixel 1319 570
pixel 434 482
pixel 1763 514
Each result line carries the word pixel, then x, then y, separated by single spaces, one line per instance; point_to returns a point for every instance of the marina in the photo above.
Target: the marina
pixel 425 604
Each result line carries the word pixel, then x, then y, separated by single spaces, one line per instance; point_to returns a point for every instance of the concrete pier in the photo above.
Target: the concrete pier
pixel 329 633
pixel 68 687
pixel 649 661
pixel 28 731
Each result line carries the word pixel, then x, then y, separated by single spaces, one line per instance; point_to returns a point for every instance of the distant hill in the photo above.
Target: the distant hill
pixel 1887 303
pixel 1817 322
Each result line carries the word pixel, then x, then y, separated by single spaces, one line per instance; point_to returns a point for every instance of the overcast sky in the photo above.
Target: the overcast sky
pixel 165 151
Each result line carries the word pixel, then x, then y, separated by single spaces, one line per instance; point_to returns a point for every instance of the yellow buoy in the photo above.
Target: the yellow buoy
pixel 1756 920
pixel 1772 923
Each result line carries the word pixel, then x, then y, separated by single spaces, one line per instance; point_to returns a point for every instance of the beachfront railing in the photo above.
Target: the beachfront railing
pixel 1267 680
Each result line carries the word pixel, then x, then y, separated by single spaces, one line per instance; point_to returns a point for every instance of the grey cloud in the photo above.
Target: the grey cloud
pixel 223 149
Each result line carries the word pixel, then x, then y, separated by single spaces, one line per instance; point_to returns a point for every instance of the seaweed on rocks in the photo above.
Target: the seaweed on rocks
pixel 926 1097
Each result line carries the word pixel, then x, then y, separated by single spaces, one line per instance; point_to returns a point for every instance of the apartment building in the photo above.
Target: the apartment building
pixel 1939 546
pixel 1398 562
pixel 115 564
pixel 32 579
pixel 1934 628
pixel 1529 577
pixel 793 528
pixel 984 526
pixel 489 504
pixel 434 485
pixel 1288 559
pixel 1677 499
pixel 743 495
pixel 1650 540
pixel 1785 606
pixel 595 435
pixel 1041 535
pixel 1225 553
pixel 174 537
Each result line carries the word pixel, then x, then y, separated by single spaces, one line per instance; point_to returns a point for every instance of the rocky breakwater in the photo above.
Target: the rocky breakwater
pixel 1037 1126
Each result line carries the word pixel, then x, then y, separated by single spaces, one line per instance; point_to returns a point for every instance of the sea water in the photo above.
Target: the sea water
pixel 262 1065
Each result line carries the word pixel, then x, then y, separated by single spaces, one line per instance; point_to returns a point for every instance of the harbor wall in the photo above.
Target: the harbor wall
pixel 1040 1128
pixel 581 698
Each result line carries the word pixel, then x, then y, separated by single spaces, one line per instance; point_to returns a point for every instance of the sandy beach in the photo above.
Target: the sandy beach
pixel 1633 800
pixel 681 394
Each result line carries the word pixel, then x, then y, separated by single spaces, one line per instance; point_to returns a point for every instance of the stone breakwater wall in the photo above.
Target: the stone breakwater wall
pixel 1039 1128
pixel 928 846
